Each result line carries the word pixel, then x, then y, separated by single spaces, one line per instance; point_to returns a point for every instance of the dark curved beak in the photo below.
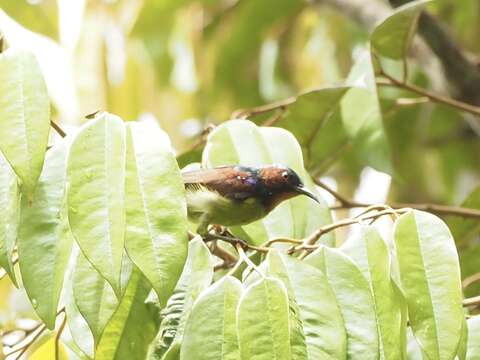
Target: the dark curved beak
pixel 302 190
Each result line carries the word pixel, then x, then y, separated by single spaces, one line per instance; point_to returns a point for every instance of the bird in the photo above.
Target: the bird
pixel 234 195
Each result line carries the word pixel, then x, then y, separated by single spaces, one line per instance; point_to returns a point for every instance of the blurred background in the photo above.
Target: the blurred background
pixel 187 64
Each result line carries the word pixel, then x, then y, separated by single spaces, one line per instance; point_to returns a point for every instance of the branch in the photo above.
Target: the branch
pixel 473 301
pixel 346 203
pixel 58 129
pixel 279 105
pixel 470 280
pixel 460 71
pixel 391 81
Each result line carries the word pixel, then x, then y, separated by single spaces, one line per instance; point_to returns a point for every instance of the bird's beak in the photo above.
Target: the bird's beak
pixel 302 190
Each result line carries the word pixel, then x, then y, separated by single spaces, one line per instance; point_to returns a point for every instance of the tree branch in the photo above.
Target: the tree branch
pixel 391 81
pixel 346 203
pixel 460 71
pixel 58 129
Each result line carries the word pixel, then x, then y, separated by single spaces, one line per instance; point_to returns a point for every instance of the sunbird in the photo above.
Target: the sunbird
pixel 238 195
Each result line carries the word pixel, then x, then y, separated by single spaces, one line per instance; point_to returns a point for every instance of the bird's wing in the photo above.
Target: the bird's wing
pixel 229 181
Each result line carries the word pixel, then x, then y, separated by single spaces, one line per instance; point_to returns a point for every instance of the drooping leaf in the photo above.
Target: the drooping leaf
pixel 430 278
pixel 156 218
pixel 196 276
pixel 464 229
pixel 264 334
pixel 9 202
pixel 242 142
pixel 320 316
pixel 213 317
pixel 93 296
pixel 130 330
pixel 362 117
pixel 96 200
pixel 45 240
pixel 369 251
pixel 355 299
pixel 276 269
pixel 24 116
pixel 473 342
pixel 392 37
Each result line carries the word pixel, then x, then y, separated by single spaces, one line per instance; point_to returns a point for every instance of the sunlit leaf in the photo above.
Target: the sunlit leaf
pixel 368 250
pixel 362 117
pixel 355 299
pixel 93 296
pixel 9 203
pixel 96 200
pixel 213 317
pixel 320 316
pixel 392 37
pixel 47 351
pixel 156 230
pixel 464 229
pixel 45 240
pixel 242 142
pixel 130 330
pixel 473 342
pixel 264 334
pixel 312 121
pixel 24 116
pixel 430 278
pixel 196 276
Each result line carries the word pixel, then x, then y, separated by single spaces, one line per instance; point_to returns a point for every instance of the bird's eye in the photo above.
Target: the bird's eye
pixel 285 175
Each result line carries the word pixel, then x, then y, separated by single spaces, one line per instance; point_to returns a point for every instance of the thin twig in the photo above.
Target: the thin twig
pixel 247 260
pixel 391 81
pixel 246 113
pixel 235 241
pixel 346 203
pixel 470 280
pixel 25 347
pixel 58 129
pixel 59 333
pixel 473 301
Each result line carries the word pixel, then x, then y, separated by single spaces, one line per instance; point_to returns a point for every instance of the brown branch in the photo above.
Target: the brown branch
pixel 391 81
pixel 245 113
pixel 473 301
pixel 346 203
pixel 463 73
pixel 470 280
pixel 59 333
pixel 58 129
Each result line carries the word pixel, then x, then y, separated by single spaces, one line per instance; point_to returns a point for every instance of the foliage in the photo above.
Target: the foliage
pixel 94 230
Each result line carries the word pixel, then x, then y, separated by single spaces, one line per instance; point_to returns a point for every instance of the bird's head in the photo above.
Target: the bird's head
pixel 282 183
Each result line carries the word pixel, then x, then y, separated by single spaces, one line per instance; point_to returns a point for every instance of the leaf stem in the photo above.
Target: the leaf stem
pixel 58 129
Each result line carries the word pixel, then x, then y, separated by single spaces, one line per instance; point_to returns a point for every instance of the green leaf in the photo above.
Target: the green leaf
pixel 355 299
pixel 473 342
pixel 96 200
pixel 392 37
pixel 430 278
pixel 196 276
pixel 24 116
pixel 362 117
pixel 276 269
pixel 462 346
pixel 264 334
pixel 10 205
pixel 131 329
pixel 242 142
pixel 464 229
pixel 311 119
pixel 156 216
pixel 319 313
pixel 213 317
pixel 368 250
pixel 93 296
pixel 45 240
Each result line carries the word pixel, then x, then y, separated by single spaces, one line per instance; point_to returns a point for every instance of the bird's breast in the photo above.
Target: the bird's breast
pixel 221 210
